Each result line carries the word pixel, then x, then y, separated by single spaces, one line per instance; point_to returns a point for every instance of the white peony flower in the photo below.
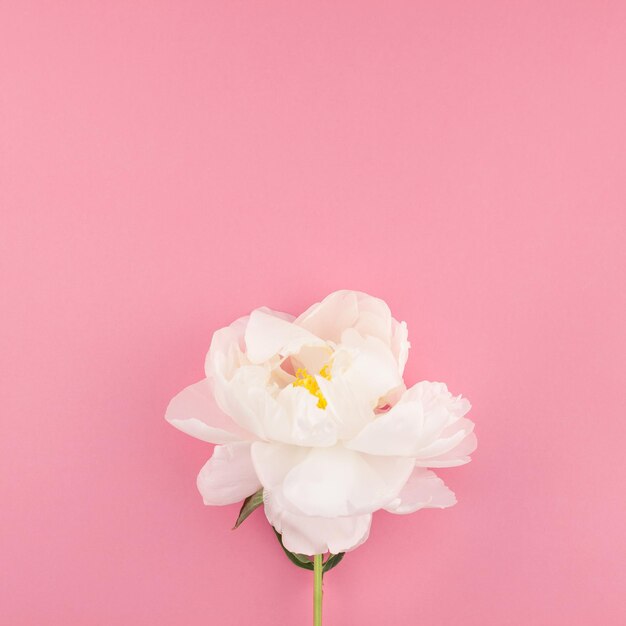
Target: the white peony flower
pixel 314 410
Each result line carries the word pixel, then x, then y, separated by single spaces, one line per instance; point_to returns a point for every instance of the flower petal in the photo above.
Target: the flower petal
pixel 450 438
pixel 273 461
pixel 368 315
pixel 349 411
pixel 316 535
pixel 367 365
pixel 238 386
pixel 195 412
pixel 345 309
pixel 228 476
pixel 423 490
pixel 246 391
pixel 331 482
pixel 303 422
pixel 226 352
pixel 267 335
pixel 459 455
pixel 425 422
pixel 246 398
pixel 291 417
pixel 330 317
pixel 400 343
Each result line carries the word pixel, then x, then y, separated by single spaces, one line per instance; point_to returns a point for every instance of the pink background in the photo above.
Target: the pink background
pixel 168 166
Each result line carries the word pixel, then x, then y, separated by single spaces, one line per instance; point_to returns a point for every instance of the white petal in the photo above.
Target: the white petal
pixel 348 309
pixel 195 412
pixel 368 315
pixel 238 386
pixel 273 461
pixel 268 335
pixel 291 417
pixel 374 318
pixel 329 318
pixel 311 358
pixel 227 349
pixel 331 482
pixel 400 343
pixel 350 411
pixel 246 398
pixel 423 490
pixel 228 476
pixel 367 365
pixel 316 535
pixel 426 421
pixel 450 438
pixel 305 423
pixel 395 433
pixel 459 455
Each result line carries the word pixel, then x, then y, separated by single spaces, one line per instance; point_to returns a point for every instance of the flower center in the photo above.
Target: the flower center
pixel 306 380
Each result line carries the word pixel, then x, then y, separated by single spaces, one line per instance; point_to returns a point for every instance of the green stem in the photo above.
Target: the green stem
pixel 317 590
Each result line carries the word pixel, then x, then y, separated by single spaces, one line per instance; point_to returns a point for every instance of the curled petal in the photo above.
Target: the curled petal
pixel 227 350
pixel 457 455
pixel 448 440
pixel 367 365
pixel 267 335
pixel 427 421
pixel 195 412
pixel 400 343
pixel 238 386
pixel 368 315
pixel 246 398
pixel 316 535
pixel 345 309
pixel 423 490
pixel 330 317
pixel 228 476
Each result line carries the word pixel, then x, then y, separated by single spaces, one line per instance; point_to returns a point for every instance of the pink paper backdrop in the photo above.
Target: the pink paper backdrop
pixel 168 166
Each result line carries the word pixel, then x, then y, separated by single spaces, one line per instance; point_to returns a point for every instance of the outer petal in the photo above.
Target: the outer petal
pixel 332 482
pixel 228 476
pixel 267 335
pixel 459 455
pixel 195 412
pixel 316 535
pixel 246 398
pixel 423 490
pixel 400 343
pixel 273 461
pixel 425 422
pixel 227 349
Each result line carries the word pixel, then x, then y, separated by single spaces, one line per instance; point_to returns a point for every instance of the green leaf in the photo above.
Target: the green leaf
pixel 301 560
pixel 332 561
pixel 249 505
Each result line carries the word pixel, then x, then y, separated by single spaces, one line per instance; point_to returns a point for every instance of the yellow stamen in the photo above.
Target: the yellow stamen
pixel 325 372
pixel 306 380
